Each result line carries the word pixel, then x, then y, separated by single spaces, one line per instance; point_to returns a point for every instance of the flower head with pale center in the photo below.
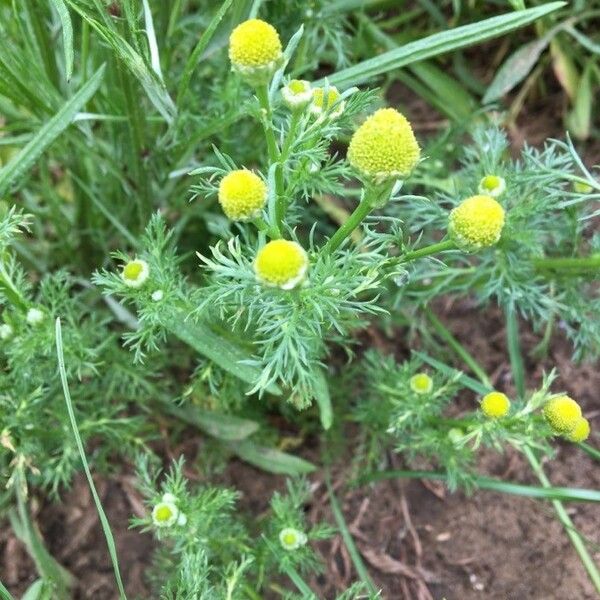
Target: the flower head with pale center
pixel 421 383
pixel 297 93
pixel 492 185
pixel 326 101
pixel 292 539
pixel 135 273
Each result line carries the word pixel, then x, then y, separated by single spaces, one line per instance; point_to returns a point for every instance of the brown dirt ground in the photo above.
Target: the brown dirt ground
pixel 420 542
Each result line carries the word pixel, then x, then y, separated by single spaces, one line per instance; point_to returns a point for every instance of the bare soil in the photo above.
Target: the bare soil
pixel 419 541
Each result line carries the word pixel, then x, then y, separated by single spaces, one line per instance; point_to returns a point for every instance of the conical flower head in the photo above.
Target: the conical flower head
pixel 242 195
pixel 281 263
pixel 255 50
pixel 384 147
pixel 476 223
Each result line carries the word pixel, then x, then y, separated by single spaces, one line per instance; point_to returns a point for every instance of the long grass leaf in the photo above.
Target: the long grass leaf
pixel 4 593
pixel 12 172
pixel 359 565
pixel 67 35
pixel 155 89
pixel 439 43
pixel 271 459
pixel 496 485
pixel 110 541
pixel 221 351
pixel 196 54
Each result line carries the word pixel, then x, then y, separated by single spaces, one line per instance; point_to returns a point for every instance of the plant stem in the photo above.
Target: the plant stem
pixel 429 250
pixel 564 518
pixel 354 220
pixel 570 264
pixel 262 93
pixel 10 291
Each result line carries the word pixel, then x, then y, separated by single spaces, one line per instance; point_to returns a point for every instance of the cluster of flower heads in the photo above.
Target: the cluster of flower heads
pixel 562 413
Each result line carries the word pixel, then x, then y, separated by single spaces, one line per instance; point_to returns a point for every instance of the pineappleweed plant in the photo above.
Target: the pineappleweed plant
pixel 280 291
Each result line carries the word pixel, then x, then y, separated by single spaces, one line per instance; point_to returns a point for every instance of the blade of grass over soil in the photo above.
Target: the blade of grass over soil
pixel 271 459
pixel 496 485
pixel 110 542
pixel 439 43
pixel 13 171
pixel 359 565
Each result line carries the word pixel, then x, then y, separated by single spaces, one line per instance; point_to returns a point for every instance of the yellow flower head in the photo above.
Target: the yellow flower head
pixel 281 263
pixel 582 188
pixel 495 405
pixel 421 383
pixel 255 49
pixel 384 147
pixel 326 100
pixel 297 93
pixel 580 431
pixel 476 223
pixel 563 413
pixel 492 185
pixel 135 273
pixel 242 195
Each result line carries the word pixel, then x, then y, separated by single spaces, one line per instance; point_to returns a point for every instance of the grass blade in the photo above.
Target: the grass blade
pixel 4 593
pixel 468 382
pixel 439 43
pixel 359 565
pixel 135 64
pixel 323 399
pixel 272 460
pixel 67 35
pixel 496 485
pixel 222 426
pixel 195 56
pixel 514 350
pixel 152 43
pixel 110 542
pixel 215 347
pixel 24 160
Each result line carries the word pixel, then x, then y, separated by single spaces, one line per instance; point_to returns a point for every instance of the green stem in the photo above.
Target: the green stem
pixel 262 93
pixel 11 292
pixel 352 222
pixel 445 334
pixel 429 250
pixel 302 586
pixel 569 264
pixel 85 49
pixel 564 518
